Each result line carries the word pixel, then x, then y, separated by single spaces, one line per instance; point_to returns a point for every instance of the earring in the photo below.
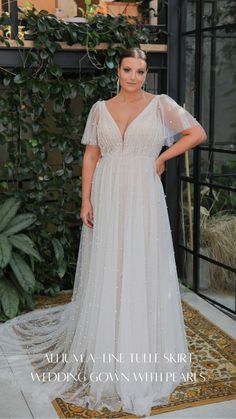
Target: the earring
pixel 118 86
pixel 144 86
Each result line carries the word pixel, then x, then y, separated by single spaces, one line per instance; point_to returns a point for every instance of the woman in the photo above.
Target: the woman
pixel 121 342
pixel 127 228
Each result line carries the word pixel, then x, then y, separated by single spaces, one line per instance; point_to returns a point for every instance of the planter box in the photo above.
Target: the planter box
pixel 76 19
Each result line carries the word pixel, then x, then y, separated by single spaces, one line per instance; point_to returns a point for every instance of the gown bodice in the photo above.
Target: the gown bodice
pixel 141 137
pixel 158 124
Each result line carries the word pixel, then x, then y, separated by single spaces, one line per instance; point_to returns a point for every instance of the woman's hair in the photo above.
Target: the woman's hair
pixel 134 53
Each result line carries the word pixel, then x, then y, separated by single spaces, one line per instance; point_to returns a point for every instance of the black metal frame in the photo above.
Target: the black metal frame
pixel 198 32
pixel 13 11
pixel 173 74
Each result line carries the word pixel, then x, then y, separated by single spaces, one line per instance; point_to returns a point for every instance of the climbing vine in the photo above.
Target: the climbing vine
pixel 41 128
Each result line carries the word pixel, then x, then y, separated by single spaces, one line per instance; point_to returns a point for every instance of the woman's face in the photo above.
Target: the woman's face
pixel 132 73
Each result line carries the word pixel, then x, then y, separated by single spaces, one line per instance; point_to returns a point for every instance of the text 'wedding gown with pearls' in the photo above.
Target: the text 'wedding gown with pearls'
pixel 126 302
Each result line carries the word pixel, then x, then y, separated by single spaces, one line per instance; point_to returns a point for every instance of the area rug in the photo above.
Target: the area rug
pixel 213 355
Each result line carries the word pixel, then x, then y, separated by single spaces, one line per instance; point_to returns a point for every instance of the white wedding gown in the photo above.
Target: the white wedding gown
pixel 126 304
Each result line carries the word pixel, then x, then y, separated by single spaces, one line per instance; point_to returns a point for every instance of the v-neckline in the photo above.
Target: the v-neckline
pixel 136 117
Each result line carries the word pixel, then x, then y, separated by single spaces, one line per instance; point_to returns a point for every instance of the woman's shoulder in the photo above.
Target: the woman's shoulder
pixel 94 110
pixel 96 104
pixel 95 107
pixel 167 99
pixel 167 102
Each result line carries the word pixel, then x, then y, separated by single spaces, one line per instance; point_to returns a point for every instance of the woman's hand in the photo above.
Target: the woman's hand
pixel 160 165
pixel 86 214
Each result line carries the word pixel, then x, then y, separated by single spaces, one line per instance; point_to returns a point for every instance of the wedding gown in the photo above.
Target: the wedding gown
pixel 111 346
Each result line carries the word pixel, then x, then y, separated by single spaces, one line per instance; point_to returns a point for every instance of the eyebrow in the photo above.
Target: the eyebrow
pixel 141 68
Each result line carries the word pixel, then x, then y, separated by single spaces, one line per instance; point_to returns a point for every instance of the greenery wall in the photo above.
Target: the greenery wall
pixel 40 119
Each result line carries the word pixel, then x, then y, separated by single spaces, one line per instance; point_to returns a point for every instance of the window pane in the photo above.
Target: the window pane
pixel 219 12
pixel 218 225
pixel 190 15
pixel 217 283
pixel 187 274
pixel 188 78
pixel 218 95
pixel 218 168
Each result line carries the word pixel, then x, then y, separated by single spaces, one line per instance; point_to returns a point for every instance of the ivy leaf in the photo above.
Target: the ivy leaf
pixel 69 91
pixel 68 159
pixel 60 172
pixel 73 38
pixel 58 35
pixel 44 55
pixel 55 70
pixel 35 127
pixel 52 46
pixel 6 81
pixel 110 64
pixel 41 26
pixel 58 107
pixel 73 93
pixel 35 87
pixel 18 79
pixel 33 55
pixel 111 52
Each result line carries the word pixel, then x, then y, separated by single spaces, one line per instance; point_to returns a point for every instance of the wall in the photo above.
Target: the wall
pixel 68 7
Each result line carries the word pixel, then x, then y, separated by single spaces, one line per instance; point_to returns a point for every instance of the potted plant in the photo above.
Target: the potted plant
pixel 124 7
pixel 145 10
pixel 89 8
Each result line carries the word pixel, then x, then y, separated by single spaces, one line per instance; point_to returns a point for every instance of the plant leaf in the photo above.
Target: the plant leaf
pixel 58 250
pixel 9 298
pixel 55 70
pixel 5 251
pixel 20 222
pixel 8 210
pixel 24 243
pixel 22 272
pixel 61 270
pixel 18 79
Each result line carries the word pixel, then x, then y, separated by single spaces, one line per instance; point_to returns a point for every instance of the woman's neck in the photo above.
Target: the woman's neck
pixel 131 97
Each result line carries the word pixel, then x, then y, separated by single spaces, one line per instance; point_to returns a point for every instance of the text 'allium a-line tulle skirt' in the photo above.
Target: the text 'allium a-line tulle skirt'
pixel 121 342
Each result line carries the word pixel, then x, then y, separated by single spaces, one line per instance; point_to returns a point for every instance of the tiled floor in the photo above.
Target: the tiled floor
pixel 14 404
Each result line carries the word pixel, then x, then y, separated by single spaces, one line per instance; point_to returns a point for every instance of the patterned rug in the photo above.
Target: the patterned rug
pixel 213 355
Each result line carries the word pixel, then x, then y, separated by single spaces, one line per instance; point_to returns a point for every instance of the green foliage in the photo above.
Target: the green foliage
pixel 38 120
pixel 89 8
pixel 17 280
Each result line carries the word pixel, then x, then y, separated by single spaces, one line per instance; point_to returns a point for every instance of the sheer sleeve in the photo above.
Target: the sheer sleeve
pixel 90 131
pixel 174 119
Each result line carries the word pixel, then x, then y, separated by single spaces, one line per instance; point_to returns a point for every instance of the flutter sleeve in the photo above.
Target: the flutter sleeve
pixel 90 131
pixel 174 119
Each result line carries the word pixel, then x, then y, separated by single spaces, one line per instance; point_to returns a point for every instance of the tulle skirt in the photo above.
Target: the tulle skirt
pixel 120 343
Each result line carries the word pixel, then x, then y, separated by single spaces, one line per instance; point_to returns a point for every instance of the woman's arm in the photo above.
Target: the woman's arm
pixel 175 119
pixel 191 138
pixel 90 159
pixel 91 156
